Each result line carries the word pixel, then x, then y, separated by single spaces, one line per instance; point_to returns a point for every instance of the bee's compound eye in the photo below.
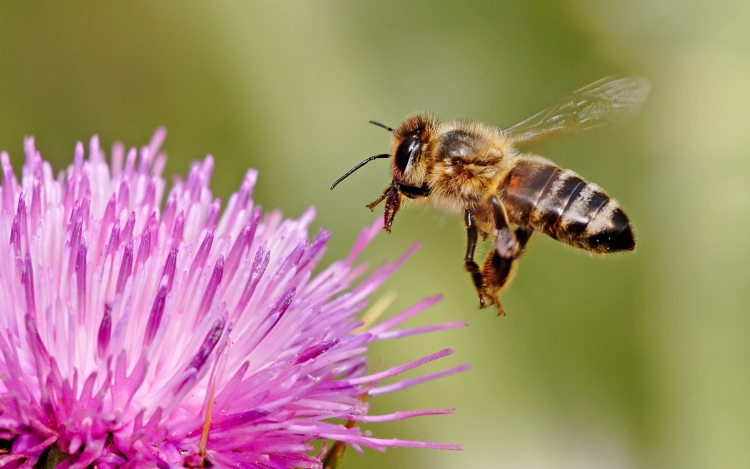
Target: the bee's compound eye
pixel 408 150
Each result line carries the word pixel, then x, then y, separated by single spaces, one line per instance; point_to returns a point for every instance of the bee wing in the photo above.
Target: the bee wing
pixel 604 102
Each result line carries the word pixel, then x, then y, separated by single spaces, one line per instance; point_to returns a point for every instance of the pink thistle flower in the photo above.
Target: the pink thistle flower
pixel 132 337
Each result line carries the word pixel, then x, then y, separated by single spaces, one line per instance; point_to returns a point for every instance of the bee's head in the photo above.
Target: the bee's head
pixel 409 167
pixel 409 150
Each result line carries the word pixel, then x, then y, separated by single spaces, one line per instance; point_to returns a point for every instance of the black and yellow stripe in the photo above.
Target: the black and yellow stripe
pixel 539 195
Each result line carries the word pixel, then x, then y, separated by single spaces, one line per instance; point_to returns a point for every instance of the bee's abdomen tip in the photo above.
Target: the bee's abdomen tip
pixel 617 236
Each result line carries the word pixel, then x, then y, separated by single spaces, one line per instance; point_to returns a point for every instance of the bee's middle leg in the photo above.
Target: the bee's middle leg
pixel 470 266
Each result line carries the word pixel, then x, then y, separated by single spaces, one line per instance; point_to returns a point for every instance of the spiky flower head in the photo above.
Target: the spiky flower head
pixel 136 337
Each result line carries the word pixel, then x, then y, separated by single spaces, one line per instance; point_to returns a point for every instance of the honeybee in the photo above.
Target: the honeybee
pixel 473 169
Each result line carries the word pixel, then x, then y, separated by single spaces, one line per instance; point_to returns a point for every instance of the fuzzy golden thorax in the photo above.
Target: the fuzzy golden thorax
pixel 468 161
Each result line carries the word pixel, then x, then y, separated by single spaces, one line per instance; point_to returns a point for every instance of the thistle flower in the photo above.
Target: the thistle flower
pixel 132 337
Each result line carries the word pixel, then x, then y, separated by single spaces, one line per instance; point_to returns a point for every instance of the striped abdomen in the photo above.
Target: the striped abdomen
pixel 538 194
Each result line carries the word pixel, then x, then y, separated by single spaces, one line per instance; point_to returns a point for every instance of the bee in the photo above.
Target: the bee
pixel 475 170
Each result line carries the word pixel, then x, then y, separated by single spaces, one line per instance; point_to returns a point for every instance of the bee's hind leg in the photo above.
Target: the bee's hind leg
pixel 509 245
pixel 522 236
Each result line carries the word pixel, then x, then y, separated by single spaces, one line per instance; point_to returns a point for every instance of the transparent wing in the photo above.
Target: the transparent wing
pixel 604 102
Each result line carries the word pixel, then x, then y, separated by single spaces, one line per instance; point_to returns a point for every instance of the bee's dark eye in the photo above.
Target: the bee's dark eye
pixel 408 150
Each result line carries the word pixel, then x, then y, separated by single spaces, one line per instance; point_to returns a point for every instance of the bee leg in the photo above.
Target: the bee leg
pixel 495 273
pixel 522 236
pixel 506 244
pixel 509 246
pixel 470 266
pixel 392 199
pixel 497 269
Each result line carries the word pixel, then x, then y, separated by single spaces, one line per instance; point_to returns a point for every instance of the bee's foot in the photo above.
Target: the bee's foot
pixel 486 299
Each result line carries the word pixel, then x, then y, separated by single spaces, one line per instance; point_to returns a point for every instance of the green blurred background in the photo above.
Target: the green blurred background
pixel 633 361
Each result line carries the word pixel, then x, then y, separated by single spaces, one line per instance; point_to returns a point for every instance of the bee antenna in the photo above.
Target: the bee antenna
pixel 359 165
pixel 380 124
